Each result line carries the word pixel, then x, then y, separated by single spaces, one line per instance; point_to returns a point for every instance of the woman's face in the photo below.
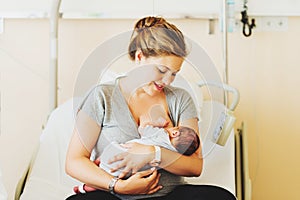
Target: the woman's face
pixel 163 69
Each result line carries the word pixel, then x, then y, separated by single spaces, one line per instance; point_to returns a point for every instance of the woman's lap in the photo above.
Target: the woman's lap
pixel 197 192
pixel 95 195
pixel 200 192
pixel 190 192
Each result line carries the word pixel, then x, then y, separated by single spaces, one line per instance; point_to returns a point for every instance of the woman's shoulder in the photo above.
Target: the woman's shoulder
pixel 103 87
pixel 176 90
pixel 98 92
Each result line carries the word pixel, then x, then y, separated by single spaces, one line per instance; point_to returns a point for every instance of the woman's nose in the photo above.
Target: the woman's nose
pixel 167 79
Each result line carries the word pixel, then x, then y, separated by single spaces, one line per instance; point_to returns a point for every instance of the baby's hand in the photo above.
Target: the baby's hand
pixel 85 189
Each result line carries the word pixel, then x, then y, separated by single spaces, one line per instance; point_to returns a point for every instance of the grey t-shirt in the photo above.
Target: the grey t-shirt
pixel 106 105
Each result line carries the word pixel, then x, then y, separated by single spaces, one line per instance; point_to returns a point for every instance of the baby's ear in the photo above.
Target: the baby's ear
pixel 175 133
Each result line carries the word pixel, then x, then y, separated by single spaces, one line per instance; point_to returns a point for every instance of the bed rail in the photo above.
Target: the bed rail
pixel 227 119
pixel 243 181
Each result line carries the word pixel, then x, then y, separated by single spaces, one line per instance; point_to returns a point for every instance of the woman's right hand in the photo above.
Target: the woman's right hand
pixel 143 182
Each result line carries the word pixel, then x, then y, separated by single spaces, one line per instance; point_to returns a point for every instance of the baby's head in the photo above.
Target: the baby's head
pixel 184 139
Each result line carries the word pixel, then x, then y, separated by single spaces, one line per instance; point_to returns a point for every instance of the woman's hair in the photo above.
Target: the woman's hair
pixel 188 141
pixel 154 36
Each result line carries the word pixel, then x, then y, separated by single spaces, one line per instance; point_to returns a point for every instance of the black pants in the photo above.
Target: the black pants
pixel 185 192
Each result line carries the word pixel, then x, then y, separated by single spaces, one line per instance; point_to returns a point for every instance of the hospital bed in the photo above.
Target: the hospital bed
pixel 46 177
pixel 3 193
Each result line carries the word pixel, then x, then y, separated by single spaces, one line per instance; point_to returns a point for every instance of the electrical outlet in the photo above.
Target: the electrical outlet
pixel 271 23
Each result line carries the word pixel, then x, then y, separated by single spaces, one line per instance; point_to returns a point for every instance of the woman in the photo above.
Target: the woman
pixel 113 113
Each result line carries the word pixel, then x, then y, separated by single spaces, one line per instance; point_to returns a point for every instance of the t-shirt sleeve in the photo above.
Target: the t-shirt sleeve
pixel 187 108
pixel 182 106
pixel 93 105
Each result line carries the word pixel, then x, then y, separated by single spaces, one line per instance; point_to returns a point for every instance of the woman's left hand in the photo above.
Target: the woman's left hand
pixel 137 156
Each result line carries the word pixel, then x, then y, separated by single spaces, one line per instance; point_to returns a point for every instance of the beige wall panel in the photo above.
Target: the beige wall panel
pixel 24 49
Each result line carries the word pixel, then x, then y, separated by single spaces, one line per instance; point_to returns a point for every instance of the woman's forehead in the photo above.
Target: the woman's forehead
pixel 172 63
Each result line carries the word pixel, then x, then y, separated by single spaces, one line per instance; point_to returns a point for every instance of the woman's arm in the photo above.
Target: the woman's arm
pixel 180 164
pixel 78 164
pixel 80 167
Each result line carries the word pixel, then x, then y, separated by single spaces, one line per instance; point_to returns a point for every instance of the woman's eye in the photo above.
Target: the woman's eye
pixel 174 74
pixel 162 71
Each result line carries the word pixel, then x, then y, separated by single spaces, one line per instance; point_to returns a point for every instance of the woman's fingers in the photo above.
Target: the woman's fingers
pixel 127 145
pixel 117 157
pixel 153 182
pixel 156 181
pixel 124 167
pixel 124 172
pixel 143 182
pixel 155 189
pixel 147 173
pixel 131 161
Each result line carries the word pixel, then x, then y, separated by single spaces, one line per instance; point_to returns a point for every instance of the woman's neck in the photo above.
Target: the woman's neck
pixel 132 89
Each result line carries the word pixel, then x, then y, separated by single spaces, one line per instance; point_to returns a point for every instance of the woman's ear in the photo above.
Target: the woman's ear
pixel 138 55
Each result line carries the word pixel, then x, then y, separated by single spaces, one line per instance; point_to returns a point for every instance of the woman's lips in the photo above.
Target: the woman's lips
pixel 159 87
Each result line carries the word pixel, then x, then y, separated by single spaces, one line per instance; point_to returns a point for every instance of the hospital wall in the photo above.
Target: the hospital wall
pixel 264 67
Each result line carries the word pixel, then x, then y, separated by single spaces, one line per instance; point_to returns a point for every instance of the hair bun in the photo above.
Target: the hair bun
pixel 148 22
pixel 154 36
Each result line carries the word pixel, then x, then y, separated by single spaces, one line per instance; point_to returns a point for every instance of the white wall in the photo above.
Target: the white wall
pixel 24 93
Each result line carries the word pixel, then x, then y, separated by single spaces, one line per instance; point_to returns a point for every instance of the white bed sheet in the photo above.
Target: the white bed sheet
pixel 3 193
pixel 219 167
pixel 47 178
